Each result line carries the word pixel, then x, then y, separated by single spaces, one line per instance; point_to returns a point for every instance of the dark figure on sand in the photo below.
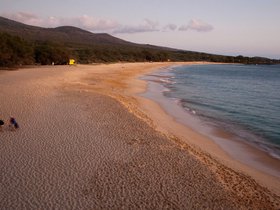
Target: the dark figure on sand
pixel 13 123
pixel 1 125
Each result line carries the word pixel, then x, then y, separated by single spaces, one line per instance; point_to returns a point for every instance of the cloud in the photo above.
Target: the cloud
pixel 24 17
pixel 93 24
pixel 197 25
pixel 170 27
pixel 84 21
pixel 146 26
pixel 105 25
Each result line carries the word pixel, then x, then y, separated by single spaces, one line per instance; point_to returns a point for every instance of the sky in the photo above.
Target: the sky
pixel 228 27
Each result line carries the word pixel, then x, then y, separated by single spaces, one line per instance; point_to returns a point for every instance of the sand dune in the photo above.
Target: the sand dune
pixel 85 143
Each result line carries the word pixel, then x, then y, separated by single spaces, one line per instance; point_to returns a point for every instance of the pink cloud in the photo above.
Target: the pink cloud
pixel 197 25
pixel 24 17
pixel 146 26
pixel 104 25
pixel 85 21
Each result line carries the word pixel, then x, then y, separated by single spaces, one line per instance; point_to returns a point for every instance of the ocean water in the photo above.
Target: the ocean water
pixel 241 99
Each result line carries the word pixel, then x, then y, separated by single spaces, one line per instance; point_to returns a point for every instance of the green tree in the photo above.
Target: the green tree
pixel 14 51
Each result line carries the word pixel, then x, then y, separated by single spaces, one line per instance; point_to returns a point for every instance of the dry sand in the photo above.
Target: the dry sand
pixel 86 141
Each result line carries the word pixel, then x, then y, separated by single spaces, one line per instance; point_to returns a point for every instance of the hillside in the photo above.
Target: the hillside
pixel 65 34
pixel 25 44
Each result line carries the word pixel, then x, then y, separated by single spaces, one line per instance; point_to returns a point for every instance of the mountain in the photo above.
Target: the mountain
pixel 25 44
pixel 65 34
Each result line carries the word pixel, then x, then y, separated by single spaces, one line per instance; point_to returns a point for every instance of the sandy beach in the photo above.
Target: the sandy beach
pixel 88 140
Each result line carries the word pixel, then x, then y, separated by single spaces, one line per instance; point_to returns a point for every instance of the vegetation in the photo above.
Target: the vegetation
pixel 21 44
pixel 48 53
pixel 14 51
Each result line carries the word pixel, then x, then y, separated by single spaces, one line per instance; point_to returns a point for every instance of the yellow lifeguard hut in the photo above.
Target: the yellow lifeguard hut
pixel 71 61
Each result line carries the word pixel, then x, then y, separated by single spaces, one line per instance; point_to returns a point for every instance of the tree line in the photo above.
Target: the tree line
pixel 15 51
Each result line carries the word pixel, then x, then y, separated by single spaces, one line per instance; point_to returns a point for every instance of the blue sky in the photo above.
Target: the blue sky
pixel 248 27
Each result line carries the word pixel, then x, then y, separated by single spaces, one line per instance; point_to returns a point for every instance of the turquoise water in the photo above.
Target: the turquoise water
pixel 242 99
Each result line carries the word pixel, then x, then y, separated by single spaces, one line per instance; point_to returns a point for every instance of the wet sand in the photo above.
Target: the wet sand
pixel 86 141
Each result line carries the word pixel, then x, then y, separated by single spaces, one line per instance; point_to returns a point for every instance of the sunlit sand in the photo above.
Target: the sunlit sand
pixel 87 140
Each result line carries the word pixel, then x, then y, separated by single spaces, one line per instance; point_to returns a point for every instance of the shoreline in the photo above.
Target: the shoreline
pixel 87 139
pixel 233 145
pixel 215 148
